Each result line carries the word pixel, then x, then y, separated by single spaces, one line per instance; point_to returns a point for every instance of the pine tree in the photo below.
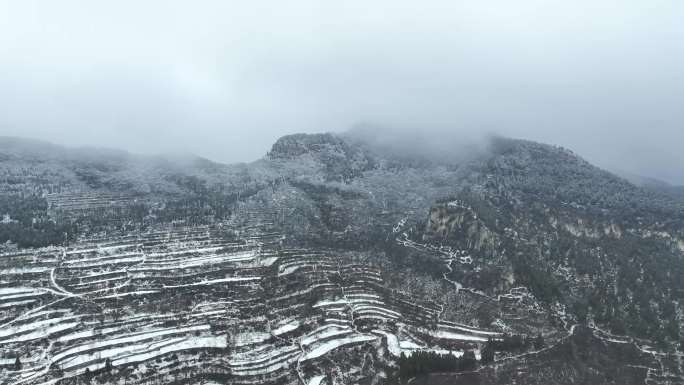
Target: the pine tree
pixel 539 342
pixel 468 361
pixel 17 364
pixel 488 352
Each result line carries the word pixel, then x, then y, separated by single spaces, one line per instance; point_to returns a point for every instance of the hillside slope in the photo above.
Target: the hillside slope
pixel 516 248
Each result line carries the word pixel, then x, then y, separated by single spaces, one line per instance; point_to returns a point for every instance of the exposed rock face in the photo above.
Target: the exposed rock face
pixel 450 222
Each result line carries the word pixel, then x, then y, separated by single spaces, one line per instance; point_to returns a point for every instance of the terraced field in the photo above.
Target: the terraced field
pixel 186 303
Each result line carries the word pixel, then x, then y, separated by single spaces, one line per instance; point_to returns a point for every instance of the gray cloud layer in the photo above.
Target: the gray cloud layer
pixel 224 79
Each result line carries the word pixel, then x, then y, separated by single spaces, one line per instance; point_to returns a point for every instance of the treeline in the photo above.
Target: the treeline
pixel 426 362
pixel 194 210
pixel 37 235
pixel 511 344
pixel 28 224
pixel 23 208
pixel 201 202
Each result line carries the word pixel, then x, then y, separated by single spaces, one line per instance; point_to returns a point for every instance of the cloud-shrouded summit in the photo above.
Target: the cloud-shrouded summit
pixel 225 79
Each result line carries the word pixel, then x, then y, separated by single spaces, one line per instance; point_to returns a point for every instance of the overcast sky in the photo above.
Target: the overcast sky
pixel 224 79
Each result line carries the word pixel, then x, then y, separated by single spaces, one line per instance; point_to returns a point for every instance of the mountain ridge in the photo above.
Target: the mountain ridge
pixel 518 237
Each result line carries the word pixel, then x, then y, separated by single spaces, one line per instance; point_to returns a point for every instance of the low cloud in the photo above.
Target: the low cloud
pixel 225 79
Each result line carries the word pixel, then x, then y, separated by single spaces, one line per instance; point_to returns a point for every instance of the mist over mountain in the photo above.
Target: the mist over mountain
pixel 432 258
pixel 341 193
pixel 225 80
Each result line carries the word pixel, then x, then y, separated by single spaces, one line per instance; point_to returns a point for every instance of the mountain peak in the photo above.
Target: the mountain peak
pixel 339 159
pixel 292 146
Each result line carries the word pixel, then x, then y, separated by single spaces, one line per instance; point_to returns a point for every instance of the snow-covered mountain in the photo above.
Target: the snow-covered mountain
pixel 335 260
